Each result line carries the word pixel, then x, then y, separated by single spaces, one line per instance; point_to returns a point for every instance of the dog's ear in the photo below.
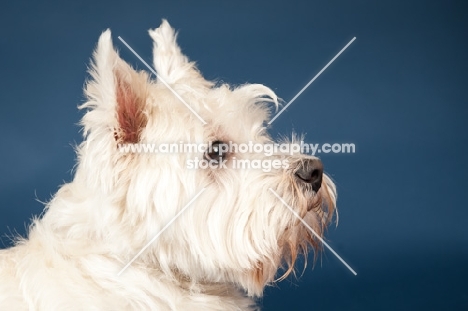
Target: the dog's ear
pixel 171 65
pixel 116 95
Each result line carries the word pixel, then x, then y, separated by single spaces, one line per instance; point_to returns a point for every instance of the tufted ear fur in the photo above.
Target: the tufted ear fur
pixel 116 95
pixel 171 65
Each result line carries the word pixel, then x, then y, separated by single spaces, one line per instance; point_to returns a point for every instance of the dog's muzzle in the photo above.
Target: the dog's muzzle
pixel 310 171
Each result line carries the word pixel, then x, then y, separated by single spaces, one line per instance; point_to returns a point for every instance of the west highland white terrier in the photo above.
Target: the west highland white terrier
pixel 218 234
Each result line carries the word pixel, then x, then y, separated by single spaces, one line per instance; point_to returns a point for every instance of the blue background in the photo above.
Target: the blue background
pixel 398 92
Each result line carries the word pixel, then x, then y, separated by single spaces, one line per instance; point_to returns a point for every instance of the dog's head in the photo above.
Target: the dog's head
pixel 239 229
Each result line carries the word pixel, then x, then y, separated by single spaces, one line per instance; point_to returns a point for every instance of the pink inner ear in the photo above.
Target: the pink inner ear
pixel 130 113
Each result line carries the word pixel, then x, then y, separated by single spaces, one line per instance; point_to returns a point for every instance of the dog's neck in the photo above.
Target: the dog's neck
pixel 89 243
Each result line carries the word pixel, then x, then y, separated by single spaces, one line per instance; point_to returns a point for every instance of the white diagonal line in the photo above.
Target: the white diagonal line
pixel 164 82
pixel 313 231
pixel 310 82
pixel 160 232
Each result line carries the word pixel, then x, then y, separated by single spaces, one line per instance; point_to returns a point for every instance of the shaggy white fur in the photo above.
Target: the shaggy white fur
pixel 218 255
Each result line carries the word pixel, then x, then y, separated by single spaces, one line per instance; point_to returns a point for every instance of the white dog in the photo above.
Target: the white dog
pixel 219 252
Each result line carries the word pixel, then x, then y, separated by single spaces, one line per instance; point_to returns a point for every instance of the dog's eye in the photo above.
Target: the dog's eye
pixel 216 151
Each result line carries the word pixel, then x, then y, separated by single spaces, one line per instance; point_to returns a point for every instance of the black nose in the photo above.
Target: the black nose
pixel 311 171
